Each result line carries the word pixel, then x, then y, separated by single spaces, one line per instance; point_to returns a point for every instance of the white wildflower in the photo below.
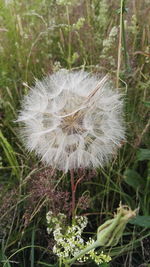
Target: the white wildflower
pixel 7 2
pixel 72 120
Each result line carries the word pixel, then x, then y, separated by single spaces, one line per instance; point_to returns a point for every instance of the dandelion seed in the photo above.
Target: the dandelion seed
pixel 72 120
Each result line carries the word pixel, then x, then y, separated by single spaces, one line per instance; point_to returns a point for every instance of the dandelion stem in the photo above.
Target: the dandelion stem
pixel 73 189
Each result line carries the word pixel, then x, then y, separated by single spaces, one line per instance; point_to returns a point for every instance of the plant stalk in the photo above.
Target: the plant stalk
pixel 73 188
pixel 122 43
pixel 119 45
pixel 83 252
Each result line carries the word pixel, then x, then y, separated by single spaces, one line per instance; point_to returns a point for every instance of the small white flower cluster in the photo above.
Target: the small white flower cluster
pixel 107 43
pixel 68 238
pixel 94 255
pixel 7 2
pixel 99 258
pixel 81 221
pixel 68 244
pixel 66 3
pixel 107 46
pixel 54 221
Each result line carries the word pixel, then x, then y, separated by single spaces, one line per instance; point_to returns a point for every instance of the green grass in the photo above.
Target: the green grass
pixel 39 37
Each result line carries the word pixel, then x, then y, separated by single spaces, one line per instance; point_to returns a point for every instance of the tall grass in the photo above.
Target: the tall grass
pixel 39 37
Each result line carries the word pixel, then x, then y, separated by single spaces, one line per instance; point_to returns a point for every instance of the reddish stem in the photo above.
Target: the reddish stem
pixel 73 189
pixel 78 181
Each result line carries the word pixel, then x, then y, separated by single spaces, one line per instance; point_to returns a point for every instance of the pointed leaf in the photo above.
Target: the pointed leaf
pixel 143 221
pixel 143 154
pixel 133 178
pixel 146 103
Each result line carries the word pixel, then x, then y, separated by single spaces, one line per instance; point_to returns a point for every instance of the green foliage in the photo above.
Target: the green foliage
pixel 147 104
pixel 140 182
pixel 46 264
pixel 143 154
pixel 39 37
pixel 133 179
pixel 10 155
pixel 143 221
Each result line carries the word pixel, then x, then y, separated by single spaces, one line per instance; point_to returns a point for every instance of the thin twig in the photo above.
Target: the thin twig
pixel 139 138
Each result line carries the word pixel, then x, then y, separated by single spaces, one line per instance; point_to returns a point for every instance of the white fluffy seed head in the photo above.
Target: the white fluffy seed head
pixel 72 120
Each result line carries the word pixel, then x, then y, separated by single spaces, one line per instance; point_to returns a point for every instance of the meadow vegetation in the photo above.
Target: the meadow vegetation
pixel 99 36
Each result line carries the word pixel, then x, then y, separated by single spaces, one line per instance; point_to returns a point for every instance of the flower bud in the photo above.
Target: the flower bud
pixel 109 233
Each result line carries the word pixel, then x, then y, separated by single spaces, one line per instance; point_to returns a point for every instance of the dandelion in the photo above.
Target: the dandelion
pixel 72 120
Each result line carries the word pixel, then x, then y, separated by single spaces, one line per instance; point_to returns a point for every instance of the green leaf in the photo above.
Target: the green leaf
pixel 10 155
pixel 3 259
pixel 133 179
pixel 32 248
pixel 47 264
pixel 146 103
pixel 143 154
pixel 143 221
pixel 104 264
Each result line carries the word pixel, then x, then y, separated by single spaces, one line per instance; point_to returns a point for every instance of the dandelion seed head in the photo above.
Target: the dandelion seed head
pixel 72 120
